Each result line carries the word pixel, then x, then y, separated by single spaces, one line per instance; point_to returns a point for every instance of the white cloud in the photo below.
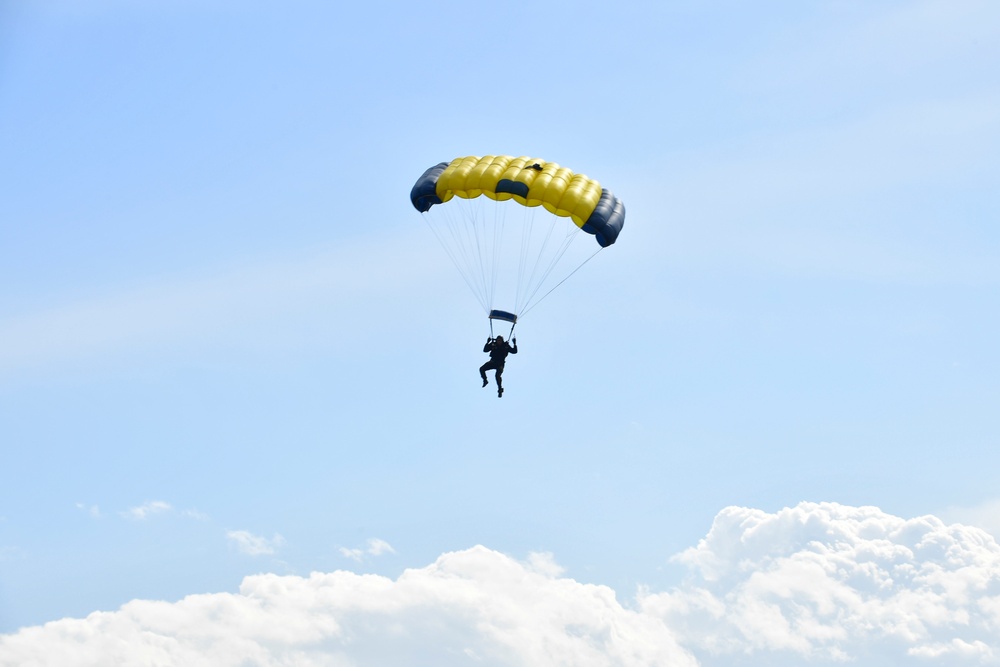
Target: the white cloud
pixel 375 547
pixel 476 607
pixel 354 554
pixel 830 582
pixel 956 647
pixel 811 584
pixel 254 545
pixel 545 563
pixel 147 510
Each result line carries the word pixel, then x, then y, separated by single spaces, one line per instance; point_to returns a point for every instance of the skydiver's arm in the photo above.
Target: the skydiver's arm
pixel 513 350
pixel 488 346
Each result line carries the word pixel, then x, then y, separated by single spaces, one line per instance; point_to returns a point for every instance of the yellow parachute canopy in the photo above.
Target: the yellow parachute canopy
pixel 526 260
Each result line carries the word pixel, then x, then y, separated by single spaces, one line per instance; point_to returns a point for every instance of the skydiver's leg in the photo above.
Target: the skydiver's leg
pixel 482 371
pixel 499 379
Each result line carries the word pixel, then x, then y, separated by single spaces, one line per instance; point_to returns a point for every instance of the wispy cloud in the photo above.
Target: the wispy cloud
pixel 91 510
pixel 377 547
pixel 374 547
pixel 193 307
pixel 254 545
pixel 197 515
pixel 147 509
pixel 354 554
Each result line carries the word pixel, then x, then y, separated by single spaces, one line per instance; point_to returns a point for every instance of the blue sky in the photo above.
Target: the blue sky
pixel 229 346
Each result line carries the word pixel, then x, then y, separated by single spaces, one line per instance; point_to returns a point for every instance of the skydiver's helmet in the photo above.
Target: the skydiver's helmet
pixel 499 339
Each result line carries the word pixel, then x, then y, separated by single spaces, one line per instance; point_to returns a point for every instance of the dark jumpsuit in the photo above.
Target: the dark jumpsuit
pixel 498 355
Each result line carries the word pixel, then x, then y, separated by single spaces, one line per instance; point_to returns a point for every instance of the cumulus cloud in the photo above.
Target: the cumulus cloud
pixel 814 584
pixel 544 563
pixel 254 545
pixel 830 582
pixel 472 607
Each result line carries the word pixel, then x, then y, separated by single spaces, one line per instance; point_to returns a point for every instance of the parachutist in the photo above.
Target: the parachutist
pixel 494 262
pixel 498 350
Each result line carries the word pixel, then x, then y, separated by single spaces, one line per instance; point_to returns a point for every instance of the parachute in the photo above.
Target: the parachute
pixel 508 224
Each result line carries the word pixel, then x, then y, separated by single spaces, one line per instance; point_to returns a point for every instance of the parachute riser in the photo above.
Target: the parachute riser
pixel 509 335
